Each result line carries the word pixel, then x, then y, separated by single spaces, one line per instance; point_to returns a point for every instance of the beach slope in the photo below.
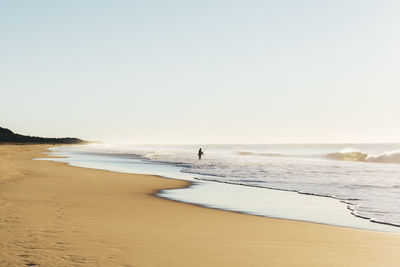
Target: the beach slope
pixel 56 215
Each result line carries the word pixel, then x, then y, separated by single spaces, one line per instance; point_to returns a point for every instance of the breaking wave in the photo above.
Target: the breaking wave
pixel 385 157
pixel 347 154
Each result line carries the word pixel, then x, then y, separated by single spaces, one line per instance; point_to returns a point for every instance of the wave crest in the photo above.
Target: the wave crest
pixel 385 157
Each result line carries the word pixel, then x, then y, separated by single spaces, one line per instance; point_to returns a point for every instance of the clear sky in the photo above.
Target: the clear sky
pixel 202 71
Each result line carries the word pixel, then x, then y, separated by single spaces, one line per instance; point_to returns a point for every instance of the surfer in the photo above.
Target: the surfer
pixel 201 153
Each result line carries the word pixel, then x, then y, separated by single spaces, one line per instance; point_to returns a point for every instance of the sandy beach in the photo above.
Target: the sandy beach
pixel 52 214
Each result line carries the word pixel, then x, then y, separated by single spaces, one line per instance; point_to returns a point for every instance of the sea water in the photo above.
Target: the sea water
pixel 355 185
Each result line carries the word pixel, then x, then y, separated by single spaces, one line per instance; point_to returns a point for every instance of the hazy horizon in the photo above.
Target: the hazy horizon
pixel 215 72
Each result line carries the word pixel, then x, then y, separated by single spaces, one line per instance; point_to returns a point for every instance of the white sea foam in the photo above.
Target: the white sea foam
pixel 385 157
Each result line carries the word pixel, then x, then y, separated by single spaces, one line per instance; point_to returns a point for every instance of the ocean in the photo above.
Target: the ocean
pixel 363 178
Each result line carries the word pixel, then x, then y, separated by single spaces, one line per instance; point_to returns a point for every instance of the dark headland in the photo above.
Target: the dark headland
pixel 7 136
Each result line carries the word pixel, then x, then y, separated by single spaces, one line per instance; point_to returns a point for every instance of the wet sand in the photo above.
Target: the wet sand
pixel 57 215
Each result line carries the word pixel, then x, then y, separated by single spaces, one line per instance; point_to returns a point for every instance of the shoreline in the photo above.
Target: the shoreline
pixel 314 195
pixel 288 204
pixel 55 214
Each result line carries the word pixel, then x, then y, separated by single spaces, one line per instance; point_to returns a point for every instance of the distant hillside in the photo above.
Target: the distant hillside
pixel 7 136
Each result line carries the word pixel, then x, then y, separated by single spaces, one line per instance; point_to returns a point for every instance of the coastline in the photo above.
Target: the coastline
pixel 54 214
pixel 239 197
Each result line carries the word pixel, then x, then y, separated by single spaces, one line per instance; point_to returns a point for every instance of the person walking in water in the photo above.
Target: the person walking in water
pixel 201 153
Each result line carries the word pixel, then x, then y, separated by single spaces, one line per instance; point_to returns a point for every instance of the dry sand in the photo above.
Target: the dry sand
pixel 56 215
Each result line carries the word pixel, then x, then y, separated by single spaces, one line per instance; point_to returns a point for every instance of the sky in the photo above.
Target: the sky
pixel 199 72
